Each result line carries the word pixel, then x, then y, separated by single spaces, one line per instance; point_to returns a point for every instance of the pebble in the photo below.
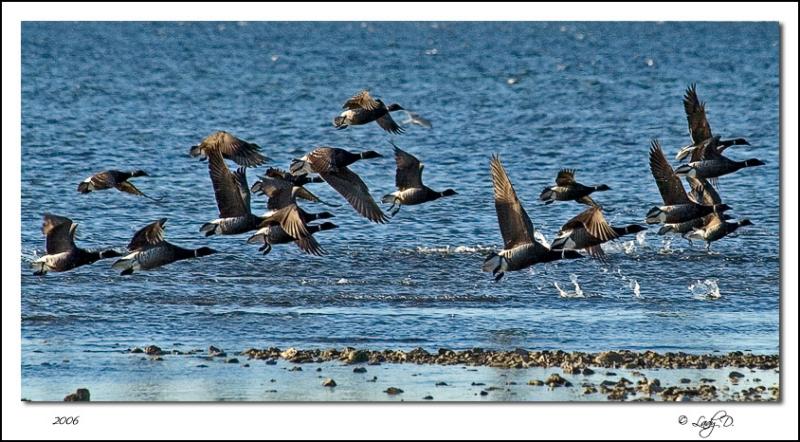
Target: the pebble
pixel 153 350
pixel 296 368
pixel 359 370
pixel 202 366
pixel 232 361
pixel 328 383
pixel 441 384
pixel 484 393
pixel 271 362
pixel 80 395
pixel 685 381
pixel 428 398
pixel 536 382
pixel 392 391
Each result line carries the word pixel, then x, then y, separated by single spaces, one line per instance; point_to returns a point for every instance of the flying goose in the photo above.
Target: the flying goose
pixel 678 207
pixel 408 179
pixel 699 129
pixel 520 248
pixel 232 148
pixel 717 229
pixel 703 192
pixel 361 108
pixel 330 164
pixel 277 185
pixel 588 230
pixel 112 178
pixel 715 167
pixel 567 189
pixel 149 250
pixel 282 193
pixel 61 252
pixel 233 199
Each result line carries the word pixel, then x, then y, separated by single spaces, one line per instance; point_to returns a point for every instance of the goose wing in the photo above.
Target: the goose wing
pixel 290 221
pixel 703 192
pixel 227 189
pixel 515 224
pixel 389 125
pixel 59 232
pixel 699 128
pixel 128 187
pixel 240 151
pixel 669 184
pixel 149 235
pixel 595 224
pixel 310 246
pixel 565 177
pixel 361 100
pixel 353 189
pixel 409 170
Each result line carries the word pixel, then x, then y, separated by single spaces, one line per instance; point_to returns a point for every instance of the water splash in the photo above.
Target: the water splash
pixel 641 237
pixel 448 250
pixel 634 285
pixel 578 293
pixel 705 289
pixel 666 246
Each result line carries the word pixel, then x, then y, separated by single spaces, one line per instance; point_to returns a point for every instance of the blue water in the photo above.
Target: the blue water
pixel 589 96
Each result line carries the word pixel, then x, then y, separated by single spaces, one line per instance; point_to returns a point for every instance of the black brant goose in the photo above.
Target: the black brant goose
pixel 149 250
pixel 363 109
pixel 699 129
pixel 678 207
pixel 61 252
pixel 408 179
pixel 520 248
pixel 331 163
pixel 588 230
pixel 113 178
pixel 232 148
pixel 567 189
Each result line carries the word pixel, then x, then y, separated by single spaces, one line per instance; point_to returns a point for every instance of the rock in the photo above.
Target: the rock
pixel 428 398
pixel 357 357
pixel 328 383
pixel 554 380
pixel 610 373
pixel 202 366
pixel 685 381
pixel 232 361
pixel 441 384
pixel 392 391
pixel 296 368
pixel 359 370
pixel 289 353
pixel 484 393
pixel 735 376
pixel 535 382
pixel 159 358
pixel 216 352
pixel 246 365
pixel 81 395
pixel 608 359
pixel 153 350
pixel 478 384
pixel 587 371
pixel 137 350
pixel 374 379
pixel 271 361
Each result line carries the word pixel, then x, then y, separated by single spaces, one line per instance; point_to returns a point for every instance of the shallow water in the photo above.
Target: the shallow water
pixel 587 95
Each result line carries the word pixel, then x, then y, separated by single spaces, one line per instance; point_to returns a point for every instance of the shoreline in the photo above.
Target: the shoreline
pixel 569 362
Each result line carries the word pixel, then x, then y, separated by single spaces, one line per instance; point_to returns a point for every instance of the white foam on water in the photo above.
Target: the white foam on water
pixel 454 249
pixel 634 285
pixel 705 289
pixel 578 293
pixel 343 281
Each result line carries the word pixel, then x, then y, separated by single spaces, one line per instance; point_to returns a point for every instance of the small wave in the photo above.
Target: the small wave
pixel 705 289
pixel 634 285
pixel 449 250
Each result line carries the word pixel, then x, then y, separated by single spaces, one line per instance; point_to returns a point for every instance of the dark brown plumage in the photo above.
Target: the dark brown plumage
pixel 361 108
pixel 232 148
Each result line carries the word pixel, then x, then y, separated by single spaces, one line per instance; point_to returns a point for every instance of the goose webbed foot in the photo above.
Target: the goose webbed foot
pixel 396 209
pixel 265 249
pixel 498 276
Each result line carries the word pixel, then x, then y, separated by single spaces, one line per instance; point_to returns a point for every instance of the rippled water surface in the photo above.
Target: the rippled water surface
pixel 588 96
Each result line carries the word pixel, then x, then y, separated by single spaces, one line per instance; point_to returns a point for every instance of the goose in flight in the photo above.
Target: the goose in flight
pixel 239 151
pixel 699 129
pixel 567 189
pixel 116 179
pixel 361 108
pixel 408 179
pixel 588 230
pixel 150 250
pixel 61 253
pixel 678 207
pixel 520 248
pixel 330 164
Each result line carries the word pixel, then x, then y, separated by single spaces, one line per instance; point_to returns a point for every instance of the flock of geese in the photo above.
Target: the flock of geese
pixel 696 215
